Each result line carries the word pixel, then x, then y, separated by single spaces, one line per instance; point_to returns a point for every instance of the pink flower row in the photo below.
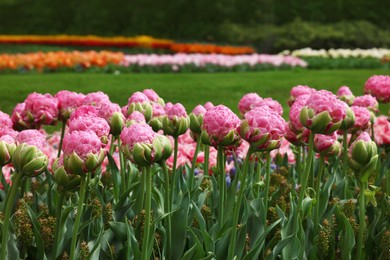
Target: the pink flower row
pixel 202 60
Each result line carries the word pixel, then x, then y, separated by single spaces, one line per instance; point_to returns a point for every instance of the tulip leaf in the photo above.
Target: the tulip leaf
pixel 37 233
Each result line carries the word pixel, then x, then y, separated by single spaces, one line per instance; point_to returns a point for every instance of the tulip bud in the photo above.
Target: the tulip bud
pixel 327 145
pixel 196 122
pixel 176 121
pixel 6 151
pixel 363 154
pixel 116 123
pixel 349 119
pixel 144 108
pixel 29 160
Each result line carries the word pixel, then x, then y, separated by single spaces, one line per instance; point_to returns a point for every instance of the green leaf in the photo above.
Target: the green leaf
pixel 179 232
pixel 37 233
pixel 347 237
pixel 370 197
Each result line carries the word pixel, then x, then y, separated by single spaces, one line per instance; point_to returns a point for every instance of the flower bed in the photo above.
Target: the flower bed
pixel 149 180
pixel 125 42
pixel 342 58
pixel 71 61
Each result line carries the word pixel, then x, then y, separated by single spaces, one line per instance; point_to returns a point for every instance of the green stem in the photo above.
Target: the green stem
pixel 193 163
pixel 258 155
pixel 62 138
pixel 306 173
pixel 206 160
pixel 167 206
pixel 372 133
pixel 237 206
pixel 298 161
pixel 362 222
pixel 57 234
pixel 112 145
pixel 7 214
pixel 147 224
pixel 222 185
pixel 176 148
pixel 267 183
pixel 83 187
pixel 345 152
pixel 317 190
pixel 123 166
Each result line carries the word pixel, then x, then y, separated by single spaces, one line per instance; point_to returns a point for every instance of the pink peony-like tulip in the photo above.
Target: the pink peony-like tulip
pixel 31 137
pixel 40 109
pixel 220 127
pixel 5 120
pixel 68 102
pixel 297 91
pixel 140 102
pixel 107 110
pixel 362 119
pixel 297 138
pixel 96 99
pixel 367 101
pixel 91 123
pixel 17 118
pixel 283 150
pixel 327 145
pixel 153 96
pixel 176 122
pixel 294 113
pixel 379 87
pixel 263 128
pixel 141 145
pixel 138 97
pixel 136 118
pixel 249 101
pixel 112 113
pixel 382 131
pixel 323 112
pixel 156 122
pixel 273 104
pixel 199 110
pixel 84 110
pixel 208 105
pixel 137 133
pixel 83 152
pixel 346 95
pixel 8 131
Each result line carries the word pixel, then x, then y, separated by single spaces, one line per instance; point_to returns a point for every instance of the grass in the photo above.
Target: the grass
pixel 189 89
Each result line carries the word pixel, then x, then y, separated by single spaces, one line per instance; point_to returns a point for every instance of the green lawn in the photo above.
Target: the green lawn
pixel 189 89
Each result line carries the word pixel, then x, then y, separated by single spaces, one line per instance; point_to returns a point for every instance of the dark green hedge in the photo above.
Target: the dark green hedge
pixel 268 24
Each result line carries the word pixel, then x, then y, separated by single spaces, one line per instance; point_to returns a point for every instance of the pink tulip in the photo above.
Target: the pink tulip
pixel 273 104
pixel 327 145
pixel 379 87
pixel 249 101
pixel 382 131
pixel 323 112
pixel 367 101
pixel 31 137
pixel 5 120
pixel 85 110
pixel 263 128
pixel 83 152
pixel 297 91
pixel 220 126
pixel 40 110
pixel 346 95
pixel 68 102
pixel 362 118
pixel 96 99
pixel 91 123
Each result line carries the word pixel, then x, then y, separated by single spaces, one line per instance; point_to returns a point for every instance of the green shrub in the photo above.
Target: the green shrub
pixel 299 34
